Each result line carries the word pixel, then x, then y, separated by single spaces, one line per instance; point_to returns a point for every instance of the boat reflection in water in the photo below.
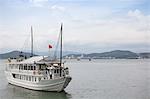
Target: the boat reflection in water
pixel 15 92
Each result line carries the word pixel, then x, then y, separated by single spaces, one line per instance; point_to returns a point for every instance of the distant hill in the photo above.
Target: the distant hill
pixel 14 54
pixel 116 54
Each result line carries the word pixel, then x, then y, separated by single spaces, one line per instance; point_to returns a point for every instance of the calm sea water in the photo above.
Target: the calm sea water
pixel 96 79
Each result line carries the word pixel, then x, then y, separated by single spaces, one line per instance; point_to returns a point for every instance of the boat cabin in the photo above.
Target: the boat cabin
pixel 37 68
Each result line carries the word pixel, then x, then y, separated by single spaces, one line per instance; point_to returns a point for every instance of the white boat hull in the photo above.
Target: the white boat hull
pixel 44 85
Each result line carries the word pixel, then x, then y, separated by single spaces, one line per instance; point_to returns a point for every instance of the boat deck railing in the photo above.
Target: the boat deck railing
pixel 28 72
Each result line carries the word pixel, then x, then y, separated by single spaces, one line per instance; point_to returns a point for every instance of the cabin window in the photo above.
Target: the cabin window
pixel 31 67
pixel 42 67
pixel 34 68
pixel 50 76
pixel 14 75
pixel 29 78
pixel 25 67
pixel 21 66
pixel 55 71
pixel 26 77
pixel 39 67
pixel 35 79
pixel 28 67
pixel 39 78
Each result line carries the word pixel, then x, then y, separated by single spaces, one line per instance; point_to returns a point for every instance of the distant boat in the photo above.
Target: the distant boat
pixel 38 72
pixel 90 59
pixel 78 59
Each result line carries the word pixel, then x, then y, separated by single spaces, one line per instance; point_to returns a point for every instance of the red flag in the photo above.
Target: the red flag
pixel 49 46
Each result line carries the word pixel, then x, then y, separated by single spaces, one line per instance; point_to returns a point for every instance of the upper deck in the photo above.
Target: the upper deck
pixel 36 66
pixel 34 60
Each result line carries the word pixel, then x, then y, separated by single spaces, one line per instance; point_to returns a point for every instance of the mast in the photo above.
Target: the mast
pixel 61 44
pixel 31 41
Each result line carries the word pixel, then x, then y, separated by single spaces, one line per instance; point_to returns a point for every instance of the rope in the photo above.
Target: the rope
pixel 56 49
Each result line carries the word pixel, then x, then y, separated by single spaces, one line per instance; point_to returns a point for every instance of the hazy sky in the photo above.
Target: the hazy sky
pixel 89 25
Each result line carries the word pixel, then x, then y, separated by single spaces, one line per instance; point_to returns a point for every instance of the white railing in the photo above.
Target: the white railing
pixel 28 72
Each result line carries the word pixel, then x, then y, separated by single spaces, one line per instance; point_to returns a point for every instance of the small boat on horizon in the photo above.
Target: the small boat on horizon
pixel 38 72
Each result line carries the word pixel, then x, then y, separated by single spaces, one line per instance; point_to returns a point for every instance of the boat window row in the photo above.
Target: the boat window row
pixel 13 66
pixel 27 67
pixel 22 67
pixel 27 78
pixel 56 70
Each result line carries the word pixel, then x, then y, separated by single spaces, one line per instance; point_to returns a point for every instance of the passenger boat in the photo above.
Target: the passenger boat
pixel 38 72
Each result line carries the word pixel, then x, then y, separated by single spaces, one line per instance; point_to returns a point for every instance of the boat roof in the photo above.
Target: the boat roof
pixel 37 60
pixel 34 59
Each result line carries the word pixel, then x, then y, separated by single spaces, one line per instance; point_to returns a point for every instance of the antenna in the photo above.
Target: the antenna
pixel 31 41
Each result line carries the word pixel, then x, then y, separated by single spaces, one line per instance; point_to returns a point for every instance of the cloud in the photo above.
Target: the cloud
pixel 136 14
pixel 57 7
pixel 35 1
pixel 129 29
pixel 87 25
pixel 38 3
pixel 141 21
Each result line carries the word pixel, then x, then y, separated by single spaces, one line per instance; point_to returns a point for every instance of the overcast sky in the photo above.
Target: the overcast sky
pixel 89 25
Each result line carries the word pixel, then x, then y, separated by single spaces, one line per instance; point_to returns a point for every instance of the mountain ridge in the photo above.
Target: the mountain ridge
pixel 117 54
pixel 15 54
